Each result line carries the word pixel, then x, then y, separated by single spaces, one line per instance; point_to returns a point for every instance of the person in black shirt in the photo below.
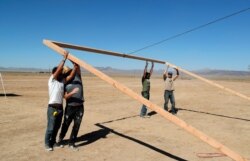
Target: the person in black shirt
pixel 74 109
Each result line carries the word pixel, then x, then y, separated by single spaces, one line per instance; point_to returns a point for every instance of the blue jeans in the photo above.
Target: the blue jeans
pixel 146 95
pixel 169 95
pixel 53 125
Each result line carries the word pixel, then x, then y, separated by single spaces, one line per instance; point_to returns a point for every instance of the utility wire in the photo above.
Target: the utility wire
pixel 191 30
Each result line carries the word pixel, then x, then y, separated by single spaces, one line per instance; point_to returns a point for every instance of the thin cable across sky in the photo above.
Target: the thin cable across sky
pixel 190 30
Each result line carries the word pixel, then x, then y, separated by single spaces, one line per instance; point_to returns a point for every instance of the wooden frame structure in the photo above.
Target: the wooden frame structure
pixel 99 51
pixel 209 140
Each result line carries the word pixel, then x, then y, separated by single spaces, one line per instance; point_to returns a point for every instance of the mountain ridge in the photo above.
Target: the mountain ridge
pixel 110 70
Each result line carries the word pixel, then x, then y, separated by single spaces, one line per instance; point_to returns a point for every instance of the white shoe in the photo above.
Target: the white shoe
pixel 48 149
pixel 73 147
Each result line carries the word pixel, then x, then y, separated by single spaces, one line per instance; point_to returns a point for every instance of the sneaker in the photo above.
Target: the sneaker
pixel 58 145
pixel 144 116
pixel 47 148
pixel 174 112
pixel 73 147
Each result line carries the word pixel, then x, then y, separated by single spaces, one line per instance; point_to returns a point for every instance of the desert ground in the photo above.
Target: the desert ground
pixel 111 129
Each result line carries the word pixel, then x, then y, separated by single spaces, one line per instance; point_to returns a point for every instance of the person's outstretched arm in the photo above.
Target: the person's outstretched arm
pixel 145 69
pixel 60 66
pixel 152 68
pixel 78 69
pixel 177 74
pixel 72 73
pixel 165 73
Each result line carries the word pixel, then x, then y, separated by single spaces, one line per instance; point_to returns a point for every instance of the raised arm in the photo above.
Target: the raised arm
pixel 152 67
pixel 145 69
pixel 60 66
pixel 165 73
pixel 177 74
pixel 72 73
pixel 78 69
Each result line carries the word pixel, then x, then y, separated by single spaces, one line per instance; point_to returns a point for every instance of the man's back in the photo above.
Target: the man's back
pixel 77 98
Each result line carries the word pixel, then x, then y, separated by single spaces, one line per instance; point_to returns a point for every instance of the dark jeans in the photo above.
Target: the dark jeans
pixel 169 95
pixel 53 125
pixel 146 95
pixel 72 113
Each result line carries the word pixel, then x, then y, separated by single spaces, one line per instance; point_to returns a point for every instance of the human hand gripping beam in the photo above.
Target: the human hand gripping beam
pixel 111 53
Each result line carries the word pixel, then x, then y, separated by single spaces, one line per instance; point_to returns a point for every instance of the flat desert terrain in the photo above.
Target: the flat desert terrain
pixel 111 129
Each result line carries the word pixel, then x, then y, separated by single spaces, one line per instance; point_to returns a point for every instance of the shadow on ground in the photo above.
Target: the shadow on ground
pixel 89 137
pixel 151 113
pixel 92 137
pixel 218 115
pixel 9 95
pixel 120 119
pixel 141 143
pixel 104 131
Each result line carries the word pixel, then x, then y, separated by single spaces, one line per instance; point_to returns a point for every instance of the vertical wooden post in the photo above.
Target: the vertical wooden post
pixel 3 86
pixel 212 142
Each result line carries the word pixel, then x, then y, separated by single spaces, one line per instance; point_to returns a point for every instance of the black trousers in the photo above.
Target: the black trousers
pixel 72 113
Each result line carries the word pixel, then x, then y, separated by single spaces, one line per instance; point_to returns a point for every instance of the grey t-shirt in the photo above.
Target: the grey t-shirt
pixel 77 98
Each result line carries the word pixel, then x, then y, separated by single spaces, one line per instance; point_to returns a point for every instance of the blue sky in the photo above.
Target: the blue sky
pixel 124 26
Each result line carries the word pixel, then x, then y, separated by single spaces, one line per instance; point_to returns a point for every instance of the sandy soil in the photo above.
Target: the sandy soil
pixel 111 128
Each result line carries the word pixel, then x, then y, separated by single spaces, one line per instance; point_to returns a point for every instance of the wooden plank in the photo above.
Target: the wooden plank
pixel 3 85
pixel 99 51
pixel 93 50
pixel 210 155
pixel 149 104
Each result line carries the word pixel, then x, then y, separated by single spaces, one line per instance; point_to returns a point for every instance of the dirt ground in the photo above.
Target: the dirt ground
pixel 112 130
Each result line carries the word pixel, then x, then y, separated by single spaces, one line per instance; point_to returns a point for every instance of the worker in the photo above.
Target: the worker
pixel 146 87
pixel 169 89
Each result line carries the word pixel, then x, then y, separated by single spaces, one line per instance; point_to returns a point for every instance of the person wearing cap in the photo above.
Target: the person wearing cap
pixel 55 107
pixel 74 109
pixel 146 87
pixel 169 89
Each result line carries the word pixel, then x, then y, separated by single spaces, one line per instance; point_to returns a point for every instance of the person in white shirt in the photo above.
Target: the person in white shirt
pixel 169 89
pixel 55 107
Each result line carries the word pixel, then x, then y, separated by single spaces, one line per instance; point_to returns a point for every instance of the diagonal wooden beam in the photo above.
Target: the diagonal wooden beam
pixel 207 139
pixel 105 52
pixel 93 50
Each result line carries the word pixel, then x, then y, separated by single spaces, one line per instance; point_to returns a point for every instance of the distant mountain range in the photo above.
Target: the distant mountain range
pixel 135 72
pixel 14 69
pixel 210 72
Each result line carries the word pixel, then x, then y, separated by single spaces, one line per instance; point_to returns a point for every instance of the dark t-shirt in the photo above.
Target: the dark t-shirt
pixel 145 84
pixel 77 98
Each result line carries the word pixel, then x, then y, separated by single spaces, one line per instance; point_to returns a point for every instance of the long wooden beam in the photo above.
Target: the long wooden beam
pixel 99 51
pixel 209 140
pixel 93 50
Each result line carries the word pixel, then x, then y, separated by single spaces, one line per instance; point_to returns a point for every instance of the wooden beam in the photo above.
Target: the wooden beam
pixel 99 51
pixel 93 50
pixel 149 104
